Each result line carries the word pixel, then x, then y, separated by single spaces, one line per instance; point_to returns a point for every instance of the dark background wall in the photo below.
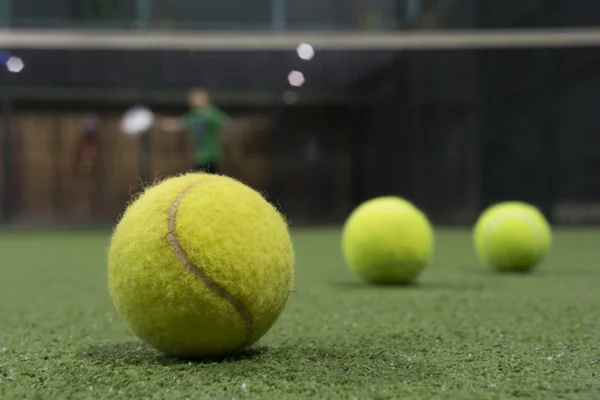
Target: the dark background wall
pixel 452 130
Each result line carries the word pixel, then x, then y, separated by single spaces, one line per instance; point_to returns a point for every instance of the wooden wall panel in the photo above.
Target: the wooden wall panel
pixel 2 188
pixel 122 179
pixel 36 164
pixel 49 190
pixel 246 152
pixel 81 197
pixel 171 153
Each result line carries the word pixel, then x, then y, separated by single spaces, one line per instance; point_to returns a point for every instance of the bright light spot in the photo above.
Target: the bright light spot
pixel 290 97
pixel 305 51
pixel 137 120
pixel 15 64
pixel 296 78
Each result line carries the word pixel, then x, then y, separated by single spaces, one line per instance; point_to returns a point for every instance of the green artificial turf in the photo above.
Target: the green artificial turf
pixel 462 333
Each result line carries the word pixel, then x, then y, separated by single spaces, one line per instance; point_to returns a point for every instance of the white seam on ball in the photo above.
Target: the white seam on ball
pixel 531 222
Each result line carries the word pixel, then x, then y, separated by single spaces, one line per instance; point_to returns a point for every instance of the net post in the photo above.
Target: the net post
pixel 278 15
pixel 143 12
pixel 144 161
pixel 413 9
pixel 5 12
pixel 7 150
pixel 415 132
pixel 549 92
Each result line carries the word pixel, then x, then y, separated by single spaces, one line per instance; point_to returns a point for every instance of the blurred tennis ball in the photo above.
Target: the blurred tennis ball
pixel 512 236
pixel 387 240
pixel 200 265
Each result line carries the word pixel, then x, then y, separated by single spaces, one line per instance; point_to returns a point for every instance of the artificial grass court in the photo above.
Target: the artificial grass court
pixel 463 332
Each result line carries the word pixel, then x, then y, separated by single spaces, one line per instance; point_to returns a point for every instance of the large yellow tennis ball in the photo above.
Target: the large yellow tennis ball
pixel 387 240
pixel 200 265
pixel 512 236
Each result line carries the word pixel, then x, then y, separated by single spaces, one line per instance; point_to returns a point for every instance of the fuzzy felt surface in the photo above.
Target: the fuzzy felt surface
pixel 512 236
pixel 387 240
pixel 200 265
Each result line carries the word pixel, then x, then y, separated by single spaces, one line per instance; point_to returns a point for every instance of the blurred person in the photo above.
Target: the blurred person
pixel 87 167
pixel 205 122
pixel 88 148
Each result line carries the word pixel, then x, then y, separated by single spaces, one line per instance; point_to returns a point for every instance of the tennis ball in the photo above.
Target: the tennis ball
pixel 200 265
pixel 387 240
pixel 512 236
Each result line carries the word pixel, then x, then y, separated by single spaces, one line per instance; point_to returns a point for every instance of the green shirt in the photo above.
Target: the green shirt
pixel 206 126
